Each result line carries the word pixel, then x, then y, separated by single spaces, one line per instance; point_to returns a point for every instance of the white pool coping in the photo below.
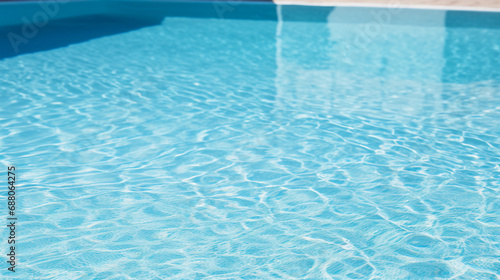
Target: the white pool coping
pixel 440 5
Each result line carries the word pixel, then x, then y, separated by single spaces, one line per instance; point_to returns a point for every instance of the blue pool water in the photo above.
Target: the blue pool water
pixel 294 147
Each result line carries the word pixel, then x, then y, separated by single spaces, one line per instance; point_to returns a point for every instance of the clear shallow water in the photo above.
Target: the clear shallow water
pixel 243 149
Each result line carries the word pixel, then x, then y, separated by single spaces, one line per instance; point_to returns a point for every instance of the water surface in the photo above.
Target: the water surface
pixel 259 149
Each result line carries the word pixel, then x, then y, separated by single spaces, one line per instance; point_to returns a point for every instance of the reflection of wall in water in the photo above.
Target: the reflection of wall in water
pixel 480 47
pixel 471 73
pixel 304 66
pixel 347 62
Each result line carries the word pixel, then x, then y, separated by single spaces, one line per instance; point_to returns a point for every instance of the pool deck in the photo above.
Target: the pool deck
pixel 482 5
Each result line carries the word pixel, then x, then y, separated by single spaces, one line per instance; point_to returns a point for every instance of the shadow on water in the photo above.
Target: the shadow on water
pixel 114 18
pixel 60 33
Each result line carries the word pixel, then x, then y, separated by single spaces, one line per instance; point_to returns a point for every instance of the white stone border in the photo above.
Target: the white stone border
pixel 380 5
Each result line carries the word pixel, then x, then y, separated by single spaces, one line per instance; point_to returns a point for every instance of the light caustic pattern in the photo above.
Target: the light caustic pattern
pixel 214 148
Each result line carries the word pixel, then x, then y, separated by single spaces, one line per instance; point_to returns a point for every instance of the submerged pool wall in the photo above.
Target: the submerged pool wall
pixel 22 24
pixel 27 27
pixel 40 13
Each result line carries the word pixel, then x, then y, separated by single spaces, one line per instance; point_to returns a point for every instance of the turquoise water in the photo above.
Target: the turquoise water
pixel 216 148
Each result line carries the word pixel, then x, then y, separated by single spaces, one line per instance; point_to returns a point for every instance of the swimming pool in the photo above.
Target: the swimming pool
pixel 164 140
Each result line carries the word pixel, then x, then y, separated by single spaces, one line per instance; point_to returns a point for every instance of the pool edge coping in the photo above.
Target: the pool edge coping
pixel 377 5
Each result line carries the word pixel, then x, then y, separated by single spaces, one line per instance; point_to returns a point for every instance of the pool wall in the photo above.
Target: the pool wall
pixel 27 27
pixel 39 13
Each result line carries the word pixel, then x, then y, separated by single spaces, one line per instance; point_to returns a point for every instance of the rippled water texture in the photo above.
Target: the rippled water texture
pixel 257 149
